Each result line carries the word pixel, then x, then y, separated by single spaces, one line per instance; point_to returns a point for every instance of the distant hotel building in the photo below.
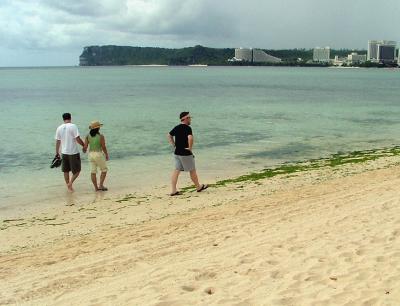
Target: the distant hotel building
pixel 254 56
pixel 355 58
pixel 242 54
pixel 383 51
pixel 321 55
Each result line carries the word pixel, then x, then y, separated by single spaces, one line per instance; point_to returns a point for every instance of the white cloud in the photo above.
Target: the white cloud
pixel 72 24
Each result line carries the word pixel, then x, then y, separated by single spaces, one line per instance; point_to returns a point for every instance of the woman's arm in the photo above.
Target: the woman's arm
pixel 103 146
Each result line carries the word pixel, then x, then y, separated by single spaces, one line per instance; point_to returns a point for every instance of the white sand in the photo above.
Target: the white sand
pixel 322 237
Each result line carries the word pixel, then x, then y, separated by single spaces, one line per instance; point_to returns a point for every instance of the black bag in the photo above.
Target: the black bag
pixel 56 162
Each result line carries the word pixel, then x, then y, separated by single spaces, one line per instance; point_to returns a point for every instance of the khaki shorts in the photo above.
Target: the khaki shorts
pixel 71 163
pixel 184 163
pixel 97 160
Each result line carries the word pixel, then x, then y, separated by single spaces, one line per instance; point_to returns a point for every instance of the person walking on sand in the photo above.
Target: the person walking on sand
pixel 67 137
pixel 98 154
pixel 181 138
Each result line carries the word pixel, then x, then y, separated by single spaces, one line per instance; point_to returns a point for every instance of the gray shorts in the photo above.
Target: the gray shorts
pixel 184 163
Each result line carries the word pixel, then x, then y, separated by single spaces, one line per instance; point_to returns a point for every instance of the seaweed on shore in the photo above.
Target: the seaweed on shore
pixel 334 160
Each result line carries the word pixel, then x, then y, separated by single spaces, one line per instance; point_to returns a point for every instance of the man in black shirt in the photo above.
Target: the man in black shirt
pixel 181 138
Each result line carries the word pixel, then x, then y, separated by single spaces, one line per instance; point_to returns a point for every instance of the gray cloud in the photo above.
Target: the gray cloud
pixel 48 25
pixel 88 8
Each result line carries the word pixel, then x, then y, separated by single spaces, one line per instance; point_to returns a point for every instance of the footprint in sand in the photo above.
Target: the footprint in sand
pixel 205 276
pixel 377 240
pixel 348 256
pixel 189 288
pixel 277 274
pixel 360 252
pixel 394 235
pixel 272 262
pixel 172 303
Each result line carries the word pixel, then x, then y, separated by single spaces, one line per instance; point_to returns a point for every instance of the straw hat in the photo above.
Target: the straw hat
pixel 95 125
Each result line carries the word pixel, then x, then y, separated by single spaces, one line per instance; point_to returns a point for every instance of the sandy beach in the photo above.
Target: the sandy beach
pixel 322 236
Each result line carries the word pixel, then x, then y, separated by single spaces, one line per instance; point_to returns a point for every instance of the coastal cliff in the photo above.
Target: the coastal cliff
pixel 123 55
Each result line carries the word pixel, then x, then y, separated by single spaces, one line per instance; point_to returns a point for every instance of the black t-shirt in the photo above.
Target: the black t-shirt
pixel 181 133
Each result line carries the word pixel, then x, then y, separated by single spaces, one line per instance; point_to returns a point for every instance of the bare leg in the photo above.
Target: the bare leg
pixel 174 180
pixel 73 178
pixel 195 179
pixel 66 177
pixel 94 180
pixel 102 178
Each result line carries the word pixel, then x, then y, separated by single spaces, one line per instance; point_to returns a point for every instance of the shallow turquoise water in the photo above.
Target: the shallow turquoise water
pixel 245 118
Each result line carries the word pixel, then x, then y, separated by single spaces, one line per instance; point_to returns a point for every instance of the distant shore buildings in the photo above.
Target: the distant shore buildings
pixel 355 58
pixel 378 52
pixel 381 51
pixel 321 55
pixel 253 56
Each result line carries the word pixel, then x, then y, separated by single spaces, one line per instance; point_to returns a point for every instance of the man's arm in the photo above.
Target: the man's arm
pixel 86 145
pixel 171 140
pixel 79 140
pixel 58 143
pixel 190 141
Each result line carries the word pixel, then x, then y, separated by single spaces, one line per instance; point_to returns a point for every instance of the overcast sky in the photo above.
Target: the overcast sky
pixel 54 32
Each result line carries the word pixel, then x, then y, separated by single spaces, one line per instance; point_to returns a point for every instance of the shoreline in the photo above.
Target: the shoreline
pixel 160 191
pixel 323 229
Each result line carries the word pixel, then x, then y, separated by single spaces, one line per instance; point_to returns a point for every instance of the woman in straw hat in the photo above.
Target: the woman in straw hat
pixel 97 154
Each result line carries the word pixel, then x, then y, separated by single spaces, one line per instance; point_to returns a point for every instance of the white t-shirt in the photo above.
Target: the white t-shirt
pixel 67 133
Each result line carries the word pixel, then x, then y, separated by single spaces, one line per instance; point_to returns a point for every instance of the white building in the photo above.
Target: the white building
pixel 372 52
pixel 355 58
pixel 338 61
pixel 243 54
pixel 321 55
pixel 259 56
pixel 381 51
pixel 254 55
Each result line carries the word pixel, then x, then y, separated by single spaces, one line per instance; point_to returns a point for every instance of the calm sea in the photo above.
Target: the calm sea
pixel 245 118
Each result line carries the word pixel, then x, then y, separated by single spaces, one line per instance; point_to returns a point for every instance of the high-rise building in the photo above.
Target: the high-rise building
pixel 254 55
pixel 244 54
pixel 387 52
pixel 383 51
pixel 372 52
pixel 321 55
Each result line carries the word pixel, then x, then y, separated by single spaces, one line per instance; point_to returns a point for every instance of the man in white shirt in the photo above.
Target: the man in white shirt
pixel 67 137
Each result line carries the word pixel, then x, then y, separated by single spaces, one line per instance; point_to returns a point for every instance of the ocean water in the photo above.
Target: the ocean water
pixel 244 119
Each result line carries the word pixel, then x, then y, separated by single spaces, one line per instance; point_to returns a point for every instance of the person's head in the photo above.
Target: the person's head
pixel 66 117
pixel 94 132
pixel 94 128
pixel 185 118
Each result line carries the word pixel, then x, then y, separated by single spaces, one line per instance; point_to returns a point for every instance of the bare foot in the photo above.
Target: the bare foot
pixel 70 189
